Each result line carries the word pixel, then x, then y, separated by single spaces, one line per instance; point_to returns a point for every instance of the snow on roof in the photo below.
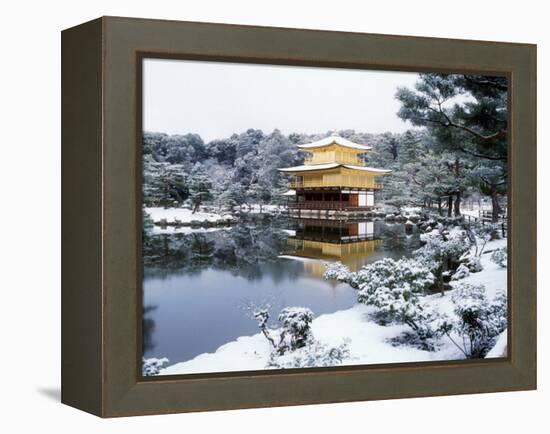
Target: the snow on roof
pixel 366 169
pixel 327 141
pixel 289 193
pixel 312 167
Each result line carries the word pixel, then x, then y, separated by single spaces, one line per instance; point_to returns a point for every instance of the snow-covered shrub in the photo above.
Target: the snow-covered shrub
pixel 314 355
pixel 393 287
pixel 473 263
pixel 441 253
pixel 500 257
pixel 477 321
pixel 293 344
pixel 461 272
pixel 337 271
pixel 440 247
pixel 262 317
pixel 296 328
pixel 480 234
pixel 399 280
pixel 153 366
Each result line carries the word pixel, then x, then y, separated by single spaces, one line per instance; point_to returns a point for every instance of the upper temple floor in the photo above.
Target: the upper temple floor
pixel 334 149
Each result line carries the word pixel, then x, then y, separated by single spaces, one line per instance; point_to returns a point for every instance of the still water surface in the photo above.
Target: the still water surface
pixel 198 288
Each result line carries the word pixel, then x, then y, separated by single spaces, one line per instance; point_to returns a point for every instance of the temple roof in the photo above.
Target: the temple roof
pixel 289 193
pixel 327 166
pixel 327 141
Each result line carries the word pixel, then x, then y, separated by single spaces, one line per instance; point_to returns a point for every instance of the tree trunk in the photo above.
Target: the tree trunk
pixel 457 204
pixel 450 206
pixel 495 205
pixel 196 207
pixel 439 209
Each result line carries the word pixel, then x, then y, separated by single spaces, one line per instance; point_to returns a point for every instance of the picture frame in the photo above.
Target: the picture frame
pixel 101 216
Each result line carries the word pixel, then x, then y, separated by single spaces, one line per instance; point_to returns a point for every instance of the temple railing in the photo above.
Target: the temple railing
pixel 338 183
pixel 322 204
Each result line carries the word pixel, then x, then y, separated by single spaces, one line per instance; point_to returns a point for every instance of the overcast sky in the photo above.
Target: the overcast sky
pixel 216 99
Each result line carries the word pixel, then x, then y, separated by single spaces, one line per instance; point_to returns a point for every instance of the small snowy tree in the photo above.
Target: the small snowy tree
pixel 262 316
pixel 477 321
pixel 442 252
pixel 500 257
pixel 293 344
pixel 200 187
pixel 479 235
pixel 152 366
pixel 296 328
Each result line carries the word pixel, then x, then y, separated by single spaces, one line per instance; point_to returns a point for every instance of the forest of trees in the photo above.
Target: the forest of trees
pixel 456 148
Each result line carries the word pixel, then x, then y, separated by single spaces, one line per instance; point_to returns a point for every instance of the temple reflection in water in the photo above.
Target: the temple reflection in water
pixel 315 241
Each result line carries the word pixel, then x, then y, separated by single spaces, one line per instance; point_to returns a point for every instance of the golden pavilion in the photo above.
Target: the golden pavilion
pixel 333 177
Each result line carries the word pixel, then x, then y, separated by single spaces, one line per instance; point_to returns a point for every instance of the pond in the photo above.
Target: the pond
pixel 200 288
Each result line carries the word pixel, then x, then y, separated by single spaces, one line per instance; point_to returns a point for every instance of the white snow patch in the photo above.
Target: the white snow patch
pixel 501 346
pixel 184 215
pixel 159 230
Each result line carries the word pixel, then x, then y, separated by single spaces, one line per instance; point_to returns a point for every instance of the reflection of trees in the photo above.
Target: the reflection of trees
pixel 244 250
pixel 396 240
pixel 147 328
pixel 249 249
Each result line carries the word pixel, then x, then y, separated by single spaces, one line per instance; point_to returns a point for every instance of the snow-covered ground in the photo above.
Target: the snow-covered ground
pixel 265 209
pixel 160 230
pixel 369 342
pixel 185 215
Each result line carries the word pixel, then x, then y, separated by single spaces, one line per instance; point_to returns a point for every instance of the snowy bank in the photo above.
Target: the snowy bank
pixel 369 342
pixel 185 217
pixel 173 229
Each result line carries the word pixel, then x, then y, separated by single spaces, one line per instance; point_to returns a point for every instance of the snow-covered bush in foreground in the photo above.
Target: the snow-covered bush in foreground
pixel 293 344
pixel 394 288
pixel 153 366
pixel 388 283
pixel 477 321
pixel 313 355
pixel 296 328
pixel 500 257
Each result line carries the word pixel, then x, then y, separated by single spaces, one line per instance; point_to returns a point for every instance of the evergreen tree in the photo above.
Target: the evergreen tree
pixel 163 183
pixel 467 116
pixel 200 187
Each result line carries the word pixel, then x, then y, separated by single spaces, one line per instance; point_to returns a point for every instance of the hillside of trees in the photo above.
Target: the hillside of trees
pixel 455 150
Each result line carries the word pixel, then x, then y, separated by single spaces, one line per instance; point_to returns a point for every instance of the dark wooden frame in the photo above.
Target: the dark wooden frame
pixel 101 217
